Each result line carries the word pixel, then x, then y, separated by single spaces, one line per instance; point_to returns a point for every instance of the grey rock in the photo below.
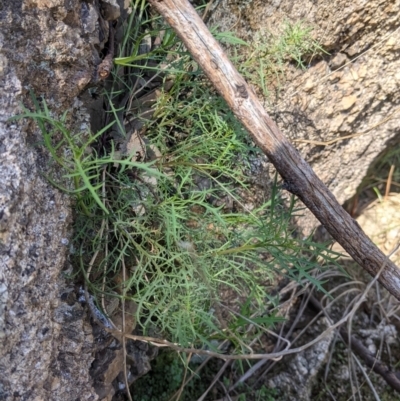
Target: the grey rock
pixel 338 61
pixel 295 382
pixel 110 9
pixel 320 104
pixel 46 343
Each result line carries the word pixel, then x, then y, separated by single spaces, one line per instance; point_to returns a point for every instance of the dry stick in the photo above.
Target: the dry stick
pixel 227 396
pixel 165 343
pixel 175 346
pixel 196 372
pixel 391 378
pixel 298 176
pixel 378 367
pixel 389 181
pixel 366 378
pixel 216 378
pixel 223 368
pixel 262 362
pixel 204 17
pixel 180 391
pixel 128 392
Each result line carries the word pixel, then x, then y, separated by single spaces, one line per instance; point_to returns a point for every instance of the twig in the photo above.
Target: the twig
pixel 103 320
pixel 389 181
pixel 103 288
pixel 378 367
pixel 227 396
pixel 204 17
pixel 299 178
pixel 162 343
pixel 124 328
pixel 367 379
pixel 220 346
pixel 261 363
pixel 216 378
pixel 260 327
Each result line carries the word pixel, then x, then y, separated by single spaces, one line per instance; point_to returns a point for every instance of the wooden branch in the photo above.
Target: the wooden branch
pixel 298 176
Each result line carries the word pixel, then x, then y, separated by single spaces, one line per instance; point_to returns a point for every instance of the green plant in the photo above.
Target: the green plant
pixel 180 226
pixel 264 60
pixel 266 394
pixel 296 43
pixel 164 379
pixel 177 231
pixel 261 394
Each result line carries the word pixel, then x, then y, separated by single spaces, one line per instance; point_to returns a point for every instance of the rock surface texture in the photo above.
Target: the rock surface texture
pixel 348 99
pixel 299 374
pixel 50 47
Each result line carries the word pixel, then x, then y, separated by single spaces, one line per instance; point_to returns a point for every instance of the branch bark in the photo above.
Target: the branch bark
pixel 298 176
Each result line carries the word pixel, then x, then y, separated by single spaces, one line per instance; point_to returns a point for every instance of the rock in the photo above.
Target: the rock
pixel 107 366
pixel 46 343
pixel 317 104
pixel 380 220
pixel 348 102
pixel 338 61
pixel 110 9
pixel 295 382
